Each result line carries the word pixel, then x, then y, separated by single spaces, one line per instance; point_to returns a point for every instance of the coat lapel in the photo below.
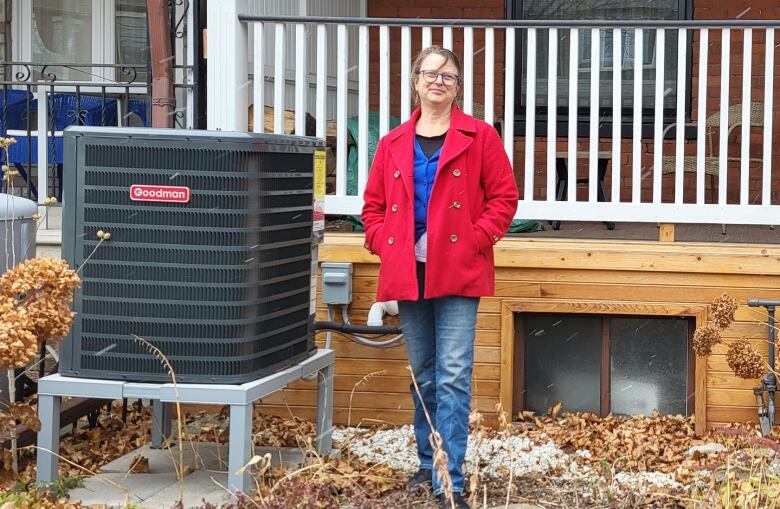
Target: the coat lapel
pixel 402 150
pixel 459 137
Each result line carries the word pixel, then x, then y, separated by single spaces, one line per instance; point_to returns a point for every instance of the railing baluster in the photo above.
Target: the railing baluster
pixel 636 156
pixel 468 70
pixel 704 45
pixel 617 109
pixel 552 106
pixel 490 62
pixel 322 81
pixel 447 38
pixel 43 145
pixel 509 95
pixel 384 77
pixel 530 116
pixel 258 83
pixel 725 66
pixel 341 111
pixel 362 141
pixel 747 78
pixel 406 49
pixel 595 78
pixel 766 185
pixel 679 153
pixel 658 119
pixel 279 80
pixel 427 37
pixel 301 80
pixel 574 71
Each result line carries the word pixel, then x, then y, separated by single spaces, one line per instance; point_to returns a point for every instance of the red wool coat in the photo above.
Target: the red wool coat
pixel 473 200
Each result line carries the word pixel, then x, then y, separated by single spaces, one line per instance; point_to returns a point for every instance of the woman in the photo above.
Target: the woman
pixel 440 193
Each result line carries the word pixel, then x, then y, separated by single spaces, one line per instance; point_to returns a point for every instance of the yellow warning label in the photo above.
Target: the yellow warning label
pixel 319 175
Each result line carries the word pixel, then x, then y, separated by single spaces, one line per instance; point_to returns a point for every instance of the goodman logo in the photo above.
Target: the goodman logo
pixel 175 194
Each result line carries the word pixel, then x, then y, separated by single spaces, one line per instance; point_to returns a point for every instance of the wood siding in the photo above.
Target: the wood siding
pixel 571 276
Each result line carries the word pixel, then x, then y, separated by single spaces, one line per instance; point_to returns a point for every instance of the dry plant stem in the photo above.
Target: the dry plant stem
pixel 11 369
pixel 434 434
pixel 358 384
pixel 90 472
pixel 169 368
pixel 90 255
pixel 233 494
pixel 12 398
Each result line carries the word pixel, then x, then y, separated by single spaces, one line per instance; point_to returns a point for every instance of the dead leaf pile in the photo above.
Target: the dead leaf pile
pixel 639 443
pixel 269 430
pixel 110 440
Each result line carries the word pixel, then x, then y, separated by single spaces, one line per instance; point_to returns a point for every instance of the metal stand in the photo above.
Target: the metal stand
pixel 240 398
pixel 766 405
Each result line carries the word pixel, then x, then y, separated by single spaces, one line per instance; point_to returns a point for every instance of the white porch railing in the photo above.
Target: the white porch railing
pixel 660 76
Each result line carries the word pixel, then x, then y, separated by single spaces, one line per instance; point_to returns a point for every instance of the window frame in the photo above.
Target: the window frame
pixel 512 307
pixel 605 386
pixel 514 9
pixel 104 43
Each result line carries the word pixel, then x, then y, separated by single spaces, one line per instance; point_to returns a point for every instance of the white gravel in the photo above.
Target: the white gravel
pixel 644 482
pixel 395 448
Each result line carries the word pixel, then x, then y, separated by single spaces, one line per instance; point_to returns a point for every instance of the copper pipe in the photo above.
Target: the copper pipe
pixel 163 99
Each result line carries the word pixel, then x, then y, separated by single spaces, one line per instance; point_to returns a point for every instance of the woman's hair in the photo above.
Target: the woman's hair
pixel 449 57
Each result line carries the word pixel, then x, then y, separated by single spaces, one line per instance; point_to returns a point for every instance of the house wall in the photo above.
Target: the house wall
pixel 702 10
pixel 371 384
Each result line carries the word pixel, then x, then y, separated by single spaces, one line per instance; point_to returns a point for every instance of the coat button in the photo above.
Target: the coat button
pixel 394 208
pixel 397 173
pixel 453 238
pixel 390 240
pixel 495 238
pixel 456 172
pixel 456 204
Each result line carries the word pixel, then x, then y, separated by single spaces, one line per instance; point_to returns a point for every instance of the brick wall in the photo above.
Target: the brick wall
pixel 446 9
pixel 703 9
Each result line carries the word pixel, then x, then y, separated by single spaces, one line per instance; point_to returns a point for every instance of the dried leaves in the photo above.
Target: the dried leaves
pixel 35 299
pixel 139 464
pixel 744 360
pixel 639 443
pixel 26 414
pixel 7 426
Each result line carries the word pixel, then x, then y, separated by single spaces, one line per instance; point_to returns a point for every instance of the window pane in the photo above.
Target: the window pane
pixel 603 10
pixel 132 47
pixel 62 33
pixel 563 362
pixel 649 365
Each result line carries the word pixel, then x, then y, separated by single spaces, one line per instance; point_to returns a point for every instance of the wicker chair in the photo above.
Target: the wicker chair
pixel 711 160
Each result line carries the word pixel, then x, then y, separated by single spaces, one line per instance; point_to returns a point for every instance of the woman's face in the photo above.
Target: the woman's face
pixel 437 93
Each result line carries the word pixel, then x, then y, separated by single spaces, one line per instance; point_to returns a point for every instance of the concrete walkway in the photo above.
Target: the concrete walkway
pixel 205 466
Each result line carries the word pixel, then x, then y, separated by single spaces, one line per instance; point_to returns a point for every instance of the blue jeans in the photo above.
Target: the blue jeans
pixel 439 336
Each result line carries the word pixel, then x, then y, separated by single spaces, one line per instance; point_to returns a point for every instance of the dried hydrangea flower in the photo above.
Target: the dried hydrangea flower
pixel 744 360
pixel 723 309
pixel 704 339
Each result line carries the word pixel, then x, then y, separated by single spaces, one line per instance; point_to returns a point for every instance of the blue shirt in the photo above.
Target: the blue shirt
pixel 424 175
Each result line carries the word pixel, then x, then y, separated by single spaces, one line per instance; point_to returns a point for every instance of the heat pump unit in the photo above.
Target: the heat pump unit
pixel 210 257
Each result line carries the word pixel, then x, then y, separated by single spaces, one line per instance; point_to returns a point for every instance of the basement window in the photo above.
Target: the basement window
pixel 605 364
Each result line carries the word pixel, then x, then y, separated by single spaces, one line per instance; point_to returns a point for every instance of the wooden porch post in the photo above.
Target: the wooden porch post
pixel 227 80
pixel 163 99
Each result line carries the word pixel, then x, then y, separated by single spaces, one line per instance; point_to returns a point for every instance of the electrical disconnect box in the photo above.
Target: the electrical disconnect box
pixel 336 283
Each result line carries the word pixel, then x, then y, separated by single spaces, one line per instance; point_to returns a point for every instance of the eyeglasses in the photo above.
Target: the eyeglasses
pixel 447 78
